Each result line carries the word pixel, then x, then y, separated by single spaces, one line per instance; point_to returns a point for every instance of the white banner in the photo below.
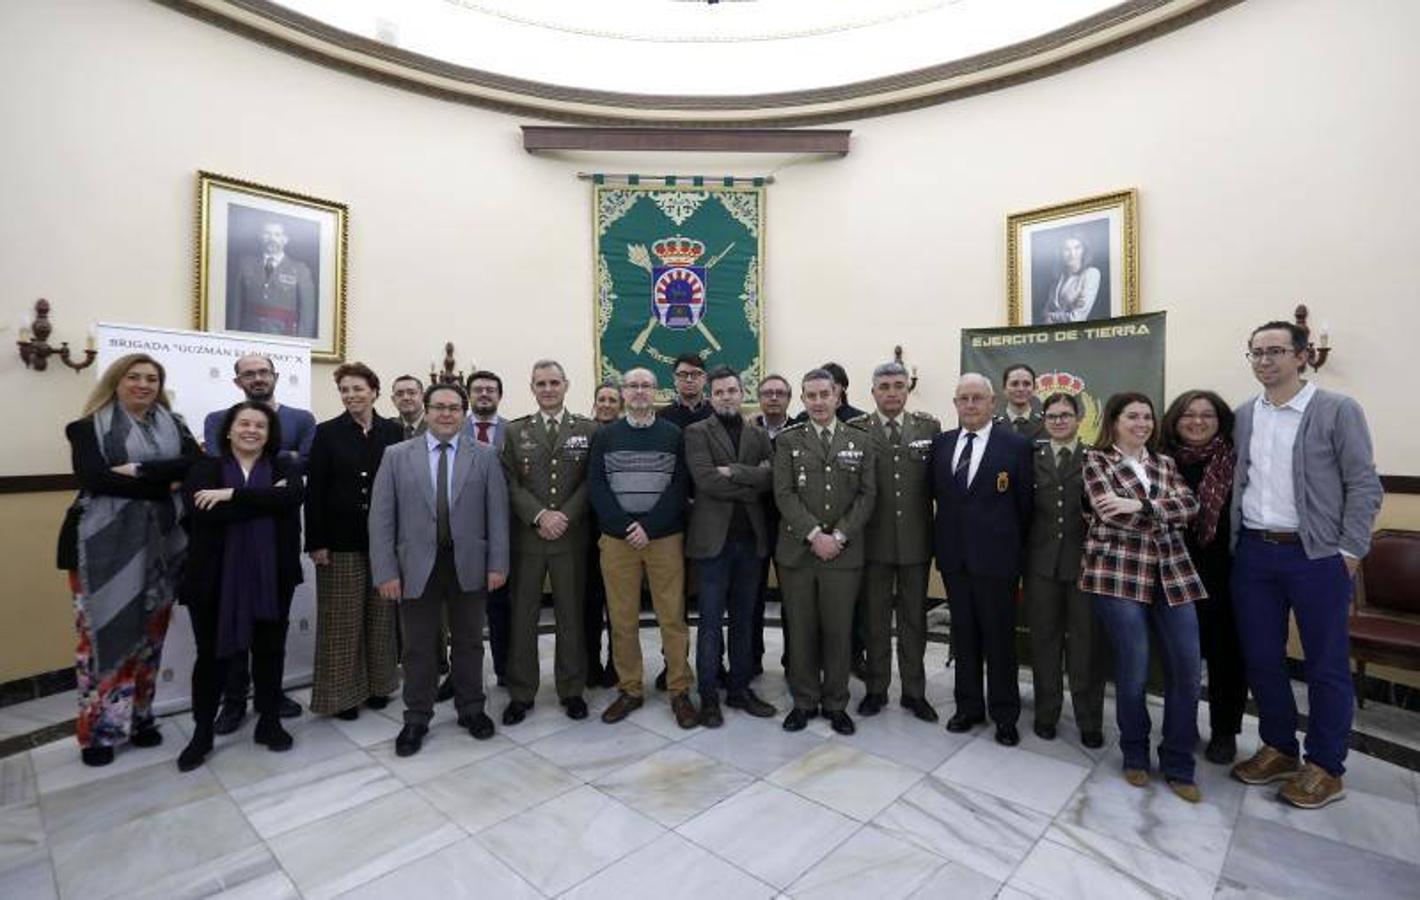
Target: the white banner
pixel 200 380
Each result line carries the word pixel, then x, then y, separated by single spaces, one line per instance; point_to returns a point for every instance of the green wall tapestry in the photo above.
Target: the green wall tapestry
pixel 678 266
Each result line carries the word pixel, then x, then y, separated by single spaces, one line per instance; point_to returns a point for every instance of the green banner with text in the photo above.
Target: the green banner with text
pixel 678 271
pixel 1090 360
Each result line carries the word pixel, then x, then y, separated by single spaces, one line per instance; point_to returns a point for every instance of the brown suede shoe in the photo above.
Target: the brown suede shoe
pixel 1137 777
pixel 1312 789
pixel 621 707
pixel 685 714
pixel 1186 790
pixel 1268 764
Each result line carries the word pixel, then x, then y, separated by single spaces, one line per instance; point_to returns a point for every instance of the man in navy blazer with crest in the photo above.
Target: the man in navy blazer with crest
pixel 982 481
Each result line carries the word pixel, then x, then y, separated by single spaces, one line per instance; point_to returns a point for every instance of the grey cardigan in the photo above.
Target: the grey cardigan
pixel 1334 476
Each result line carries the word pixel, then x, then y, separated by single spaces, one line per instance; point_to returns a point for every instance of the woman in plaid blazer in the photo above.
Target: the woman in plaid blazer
pixel 1138 571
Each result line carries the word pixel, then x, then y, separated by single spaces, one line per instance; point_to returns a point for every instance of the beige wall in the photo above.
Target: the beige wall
pixel 1274 146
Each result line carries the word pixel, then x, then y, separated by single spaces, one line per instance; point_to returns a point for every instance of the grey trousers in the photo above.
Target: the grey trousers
pixel 1062 624
pixel 422 619
pixel 904 589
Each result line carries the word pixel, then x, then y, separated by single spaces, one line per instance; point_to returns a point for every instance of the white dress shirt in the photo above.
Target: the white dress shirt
pixel 1269 501
pixel 1136 465
pixel 978 449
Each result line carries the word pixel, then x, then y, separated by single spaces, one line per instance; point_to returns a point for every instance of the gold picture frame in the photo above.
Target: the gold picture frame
pixel 271 262
pixel 1074 262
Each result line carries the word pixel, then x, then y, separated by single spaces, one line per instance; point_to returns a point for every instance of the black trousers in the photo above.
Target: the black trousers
pixel 984 631
pixel 1227 678
pixel 499 615
pixel 211 675
pixel 422 618
pixel 594 616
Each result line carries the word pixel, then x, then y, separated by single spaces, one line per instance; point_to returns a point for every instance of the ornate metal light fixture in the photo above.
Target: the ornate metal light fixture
pixel 34 345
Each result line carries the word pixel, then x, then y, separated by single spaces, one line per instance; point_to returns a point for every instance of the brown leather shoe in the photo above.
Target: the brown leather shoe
pixel 1313 788
pixel 623 706
pixel 685 714
pixel 1137 777
pixel 1266 765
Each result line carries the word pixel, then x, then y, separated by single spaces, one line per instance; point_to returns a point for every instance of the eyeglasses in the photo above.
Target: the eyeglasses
pixel 689 375
pixel 1199 417
pixel 639 386
pixel 1258 354
pixel 445 407
pixel 1059 417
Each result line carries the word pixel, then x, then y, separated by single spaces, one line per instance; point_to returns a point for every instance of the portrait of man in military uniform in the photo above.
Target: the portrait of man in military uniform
pixel 271 290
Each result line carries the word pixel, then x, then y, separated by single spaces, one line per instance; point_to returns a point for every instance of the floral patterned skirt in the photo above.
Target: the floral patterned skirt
pixel 116 702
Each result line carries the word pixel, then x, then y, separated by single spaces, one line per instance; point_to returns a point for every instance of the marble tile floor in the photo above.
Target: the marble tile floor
pixel 555 808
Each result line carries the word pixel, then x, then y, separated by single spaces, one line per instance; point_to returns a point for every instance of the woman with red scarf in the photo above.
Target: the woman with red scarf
pixel 244 562
pixel 1198 434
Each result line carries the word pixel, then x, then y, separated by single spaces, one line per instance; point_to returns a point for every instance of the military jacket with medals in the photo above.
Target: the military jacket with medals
pixel 549 472
pixel 833 491
pixel 900 529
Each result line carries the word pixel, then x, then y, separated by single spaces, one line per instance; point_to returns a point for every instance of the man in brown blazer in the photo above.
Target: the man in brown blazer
pixel 730 463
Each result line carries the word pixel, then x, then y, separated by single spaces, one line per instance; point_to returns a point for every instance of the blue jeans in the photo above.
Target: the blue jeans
pixel 1270 580
pixel 728 583
pixel 1127 623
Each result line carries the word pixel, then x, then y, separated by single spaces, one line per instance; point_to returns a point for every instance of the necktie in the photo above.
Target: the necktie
pixel 441 499
pixel 270 267
pixel 894 433
pixel 482 431
pixel 1062 459
pixel 963 468
pixel 551 429
pixel 1021 423
pixel 826 438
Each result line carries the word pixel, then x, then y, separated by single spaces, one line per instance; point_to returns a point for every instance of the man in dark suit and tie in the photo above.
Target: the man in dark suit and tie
pixel 438 543
pixel 730 462
pixel 982 480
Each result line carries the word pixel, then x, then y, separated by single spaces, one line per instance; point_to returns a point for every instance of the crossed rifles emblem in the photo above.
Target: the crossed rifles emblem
pixel 679 288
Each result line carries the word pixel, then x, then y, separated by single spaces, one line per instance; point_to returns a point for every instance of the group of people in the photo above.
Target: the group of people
pixel 1206 530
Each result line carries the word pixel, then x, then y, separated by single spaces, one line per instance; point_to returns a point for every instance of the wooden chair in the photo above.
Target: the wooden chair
pixel 1385 623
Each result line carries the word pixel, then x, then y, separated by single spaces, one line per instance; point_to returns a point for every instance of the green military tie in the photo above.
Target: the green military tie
pixel 551 431
pixel 826 438
pixel 1062 459
pixel 894 433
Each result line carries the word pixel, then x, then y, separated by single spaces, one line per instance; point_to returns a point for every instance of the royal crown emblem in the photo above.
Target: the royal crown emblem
pixel 679 286
pixel 1067 383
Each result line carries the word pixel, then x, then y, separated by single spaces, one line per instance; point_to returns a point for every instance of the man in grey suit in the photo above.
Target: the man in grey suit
pixel 730 462
pixel 438 542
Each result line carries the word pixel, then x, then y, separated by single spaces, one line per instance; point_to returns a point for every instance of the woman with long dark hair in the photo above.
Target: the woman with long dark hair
pixel 1198 434
pixel 1137 568
pixel 124 550
pixel 244 562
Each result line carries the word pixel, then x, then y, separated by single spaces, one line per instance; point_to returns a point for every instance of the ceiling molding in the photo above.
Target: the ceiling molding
pixel 1120 27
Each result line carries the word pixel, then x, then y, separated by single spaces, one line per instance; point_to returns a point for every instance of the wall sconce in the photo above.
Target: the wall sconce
pixel 1316 352
pixel 897 358
pixel 448 375
pixel 34 343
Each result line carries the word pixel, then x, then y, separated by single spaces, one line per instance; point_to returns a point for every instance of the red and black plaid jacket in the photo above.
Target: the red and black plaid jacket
pixel 1125 555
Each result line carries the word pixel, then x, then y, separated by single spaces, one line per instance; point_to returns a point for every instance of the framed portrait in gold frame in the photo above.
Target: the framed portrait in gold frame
pixel 1073 262
pixel 271 262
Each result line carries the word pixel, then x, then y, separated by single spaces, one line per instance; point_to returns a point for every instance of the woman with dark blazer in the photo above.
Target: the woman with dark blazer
pixel 1141 579
pixel 244 562
pixel 356 658
pixel 1198 434
pixel 123 549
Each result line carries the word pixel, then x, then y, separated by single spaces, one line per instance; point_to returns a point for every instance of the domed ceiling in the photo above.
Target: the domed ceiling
pixel 732 61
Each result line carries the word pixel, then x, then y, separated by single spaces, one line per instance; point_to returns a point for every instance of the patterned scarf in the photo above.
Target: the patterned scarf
pixel 130 551
pixel 1219 458
pixel 248 591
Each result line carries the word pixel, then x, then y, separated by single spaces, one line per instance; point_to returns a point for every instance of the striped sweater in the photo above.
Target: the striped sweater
pixel 638 475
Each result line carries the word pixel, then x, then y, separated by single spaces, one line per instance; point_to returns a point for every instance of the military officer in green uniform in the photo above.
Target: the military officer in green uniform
pixel 545 461
pixel 275 294
pixel 824 488
pixel 1019 411
pixel 898 544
